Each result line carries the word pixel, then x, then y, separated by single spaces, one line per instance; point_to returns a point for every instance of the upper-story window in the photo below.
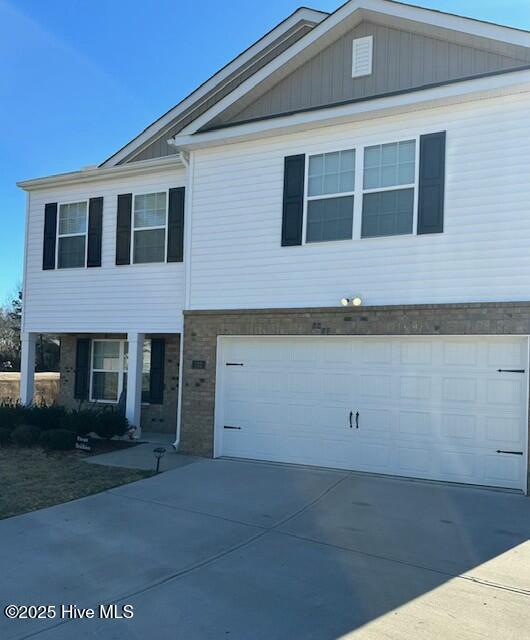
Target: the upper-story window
pixel 330 189
pixel 388 183
pixel 384 177
pixel 72 235
pixel 149 227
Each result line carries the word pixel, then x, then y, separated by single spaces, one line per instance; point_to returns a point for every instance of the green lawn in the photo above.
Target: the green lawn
pixel 31 479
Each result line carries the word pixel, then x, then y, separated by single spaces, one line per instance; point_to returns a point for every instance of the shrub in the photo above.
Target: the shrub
pixel 5 436
pixel 25 435
pixel 110 423
pixel 57 439
pixel 11 415
pixel 82 421
pixel 45 417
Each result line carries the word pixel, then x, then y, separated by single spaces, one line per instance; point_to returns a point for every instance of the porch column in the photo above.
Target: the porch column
pixel 27 367
pixel 133 401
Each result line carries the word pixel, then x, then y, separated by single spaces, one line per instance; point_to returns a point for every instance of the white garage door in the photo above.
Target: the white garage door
pixel 439 408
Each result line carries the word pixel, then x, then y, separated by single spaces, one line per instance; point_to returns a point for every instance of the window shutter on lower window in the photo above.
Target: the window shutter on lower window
pixel 293 200
pixel 156 381
pixel 50 235
pixel 123 229
pixel 175 225
pixel 431 183
pixel 95 232
pixel 82 369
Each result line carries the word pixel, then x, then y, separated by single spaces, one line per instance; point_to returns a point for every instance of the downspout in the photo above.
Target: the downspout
pixel 188 163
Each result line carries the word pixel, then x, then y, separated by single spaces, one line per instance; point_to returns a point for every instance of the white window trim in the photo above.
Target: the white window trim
pixel 70 235
pixel 359 191
pixel 119 371
pixel 134 229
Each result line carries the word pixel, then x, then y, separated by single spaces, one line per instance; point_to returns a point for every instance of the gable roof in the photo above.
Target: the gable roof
pixel 222 82
pixel 511 42
pixel 291 44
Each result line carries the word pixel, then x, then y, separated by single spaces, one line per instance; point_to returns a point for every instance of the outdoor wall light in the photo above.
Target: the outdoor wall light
pixel 159 453
pixel 355 302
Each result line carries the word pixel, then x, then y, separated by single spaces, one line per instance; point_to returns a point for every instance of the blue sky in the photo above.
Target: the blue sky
pixel 78 79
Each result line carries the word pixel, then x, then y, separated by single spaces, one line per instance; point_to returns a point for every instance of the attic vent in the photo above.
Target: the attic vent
pixel 362 56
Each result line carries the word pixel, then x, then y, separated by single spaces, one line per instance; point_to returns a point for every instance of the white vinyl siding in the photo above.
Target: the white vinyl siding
pixel 144 297
pixel 481 256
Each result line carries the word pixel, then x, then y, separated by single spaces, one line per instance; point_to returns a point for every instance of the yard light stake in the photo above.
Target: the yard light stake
pixel 159 454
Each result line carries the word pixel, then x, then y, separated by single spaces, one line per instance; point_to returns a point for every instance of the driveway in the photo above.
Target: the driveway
pixel 250 551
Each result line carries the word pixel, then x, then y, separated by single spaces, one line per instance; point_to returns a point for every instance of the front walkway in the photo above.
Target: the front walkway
pixel 142 455
pixel 224 549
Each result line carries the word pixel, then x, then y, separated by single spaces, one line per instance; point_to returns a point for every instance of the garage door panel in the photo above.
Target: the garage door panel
pixel 507 354
pixel 502 470
pixel 413 461
pixel 418 353
pixel 458 466
pixel 459 428
pixel 415 387
pixel 460 354
pixel 503 431
pixel 375 386
pixel 374 352
pixel 433 407
pixel 501 391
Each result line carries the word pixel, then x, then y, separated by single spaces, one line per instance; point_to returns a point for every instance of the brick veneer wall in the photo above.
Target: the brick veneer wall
pixel 201 329
pixel 154 417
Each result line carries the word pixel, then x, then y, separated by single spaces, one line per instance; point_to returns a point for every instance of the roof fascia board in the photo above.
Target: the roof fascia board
pixel 104 173
pixel 301 15
pixel 404 102
pixel 386 7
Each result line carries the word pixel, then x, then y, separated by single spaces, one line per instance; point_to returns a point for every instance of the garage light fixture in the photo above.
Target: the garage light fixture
pixel 354 302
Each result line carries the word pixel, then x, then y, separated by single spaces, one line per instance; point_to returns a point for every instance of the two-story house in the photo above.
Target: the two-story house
pixel 321 256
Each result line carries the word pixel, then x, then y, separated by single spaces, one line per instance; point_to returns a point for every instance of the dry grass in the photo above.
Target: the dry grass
pixel 31 479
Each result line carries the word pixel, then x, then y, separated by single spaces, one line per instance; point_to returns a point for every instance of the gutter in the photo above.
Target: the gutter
pixel 93 174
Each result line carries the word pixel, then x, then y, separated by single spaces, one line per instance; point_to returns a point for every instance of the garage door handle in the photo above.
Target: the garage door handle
pixel 513 453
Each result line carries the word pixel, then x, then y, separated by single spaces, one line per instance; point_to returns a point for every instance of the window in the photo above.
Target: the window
pixel 149 227
pixel 72 232
pixel 109 366
pixel 330 187
pixel 388 189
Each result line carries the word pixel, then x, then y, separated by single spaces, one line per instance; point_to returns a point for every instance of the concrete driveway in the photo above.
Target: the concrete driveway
pixel 249 551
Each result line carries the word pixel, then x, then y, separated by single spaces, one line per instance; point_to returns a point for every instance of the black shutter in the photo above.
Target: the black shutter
pixel 95 232
pixel 123 229
pixel 175 225
pixel 50 233
pixel 82 368
pixel 293 200
pixel 156 380
pixel 432 180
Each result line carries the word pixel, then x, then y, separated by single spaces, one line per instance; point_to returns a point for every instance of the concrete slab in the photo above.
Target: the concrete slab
pixel 142 457
pixel 254 493
pixel 457 530
pixel 99 548
pixel 226 549
pixel 279 588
